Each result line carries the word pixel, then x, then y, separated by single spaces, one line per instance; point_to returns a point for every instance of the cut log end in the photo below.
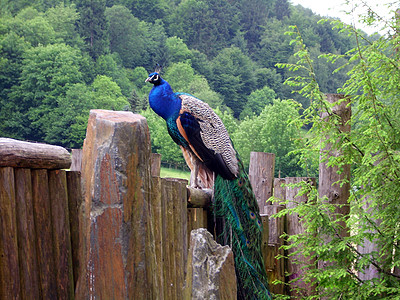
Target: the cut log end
pixel 20 154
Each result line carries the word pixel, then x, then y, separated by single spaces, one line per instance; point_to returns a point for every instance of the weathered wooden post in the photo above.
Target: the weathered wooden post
pixel 276 267
pixel 8 236
pixel 261 175
pixel 334 182
pixel 297 262
pixel 155 164
pixel 29 271
pixel 174 231
pixel 116 180
pixel 76 160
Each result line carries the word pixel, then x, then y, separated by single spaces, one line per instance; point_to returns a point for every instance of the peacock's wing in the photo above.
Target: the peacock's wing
pixel 207 136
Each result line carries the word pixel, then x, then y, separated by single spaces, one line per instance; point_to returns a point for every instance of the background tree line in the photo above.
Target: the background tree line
pixel 59 59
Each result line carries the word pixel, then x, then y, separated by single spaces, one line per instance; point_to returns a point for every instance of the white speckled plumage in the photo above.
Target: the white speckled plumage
pixel 213 131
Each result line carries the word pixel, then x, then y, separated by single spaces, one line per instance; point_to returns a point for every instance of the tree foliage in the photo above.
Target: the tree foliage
pixel 96 54
pixel 274 125
pixel 372 149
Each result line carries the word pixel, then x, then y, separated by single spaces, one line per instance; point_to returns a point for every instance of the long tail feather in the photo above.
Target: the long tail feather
pixel 239 225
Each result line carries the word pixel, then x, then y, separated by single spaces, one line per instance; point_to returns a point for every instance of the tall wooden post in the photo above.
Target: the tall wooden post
pixel 9 270
pixel 261 175
pixel 297 262
pixel 116 180
pixel 334 182
pixel 276 267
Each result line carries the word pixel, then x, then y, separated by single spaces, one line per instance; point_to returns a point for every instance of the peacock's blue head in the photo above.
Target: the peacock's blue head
pixel 154 78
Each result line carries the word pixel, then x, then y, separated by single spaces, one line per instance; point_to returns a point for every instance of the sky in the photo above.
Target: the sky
pixel 336 8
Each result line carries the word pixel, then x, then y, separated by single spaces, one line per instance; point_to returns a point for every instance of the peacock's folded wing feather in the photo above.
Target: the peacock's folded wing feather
pixel 207 136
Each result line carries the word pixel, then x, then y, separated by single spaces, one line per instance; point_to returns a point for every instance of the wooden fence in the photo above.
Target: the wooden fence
pixel 115 229
pixel 38 220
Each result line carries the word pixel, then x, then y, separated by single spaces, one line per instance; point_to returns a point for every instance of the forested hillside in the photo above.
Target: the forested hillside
pixel 59 59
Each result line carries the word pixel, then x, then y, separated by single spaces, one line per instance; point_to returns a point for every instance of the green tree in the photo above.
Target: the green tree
pixel 149 10
pixel 107 94
pixel 207 25
pixel 182 78
pixel 254 15
pixel 126 36
pixel 69 119
pixel 257 100
pixel 271 132
pixel 63 19
pixel 233 77
pixel 177 50
pixel 47 73
pixel 108 65
pixel 92 26
pixel 154 37
pixel 372 149
pixel 33 26
pixel 282 9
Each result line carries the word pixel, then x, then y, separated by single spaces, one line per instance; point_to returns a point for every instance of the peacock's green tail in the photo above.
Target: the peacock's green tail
pixel 239 225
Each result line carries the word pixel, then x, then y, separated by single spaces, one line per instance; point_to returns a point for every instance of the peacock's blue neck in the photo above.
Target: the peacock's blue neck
pixel 163 100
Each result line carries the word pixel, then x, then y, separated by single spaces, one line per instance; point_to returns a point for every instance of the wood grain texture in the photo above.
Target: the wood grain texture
pixel 9 268
pixel 261 175
pixel 30 282
pixel 297 262
pixel 44 235
pixel 76 215
pixel 14 153
pixel 61 234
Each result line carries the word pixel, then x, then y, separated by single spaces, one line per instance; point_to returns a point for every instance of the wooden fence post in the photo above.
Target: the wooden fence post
pixel 261 175
pixel 116 180
pixel 61 234
pixel 335 183
pixel 277 226
pixel 174 215
pixel 9 269
pixel 299 288
pixel 44 236
pixel 156 211
pixel 76 213
pixel 76 160
pixel 29 272
pixel 155 164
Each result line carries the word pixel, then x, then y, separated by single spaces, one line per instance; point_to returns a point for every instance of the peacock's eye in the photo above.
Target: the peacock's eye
pixel 155 78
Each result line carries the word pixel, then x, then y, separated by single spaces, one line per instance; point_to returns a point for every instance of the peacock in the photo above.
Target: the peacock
pixel 210 154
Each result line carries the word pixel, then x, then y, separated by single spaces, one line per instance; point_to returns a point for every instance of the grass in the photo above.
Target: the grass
pixel 174 173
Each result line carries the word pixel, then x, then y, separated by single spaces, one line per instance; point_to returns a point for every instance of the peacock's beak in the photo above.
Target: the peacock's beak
pixel 148 79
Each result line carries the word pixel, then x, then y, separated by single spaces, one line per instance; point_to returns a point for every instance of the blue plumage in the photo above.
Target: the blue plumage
pixel 208 150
